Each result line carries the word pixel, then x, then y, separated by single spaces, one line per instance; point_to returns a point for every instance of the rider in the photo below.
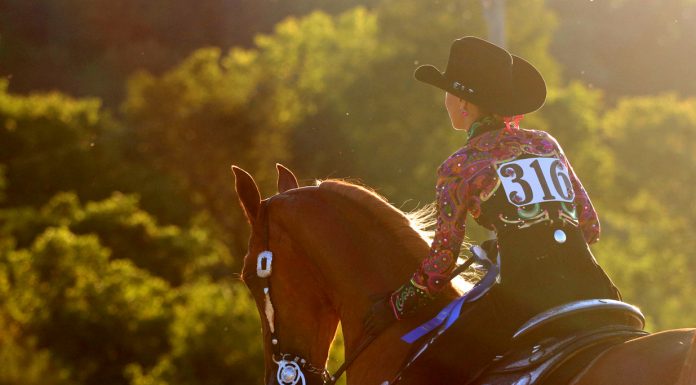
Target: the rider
pixel 515 182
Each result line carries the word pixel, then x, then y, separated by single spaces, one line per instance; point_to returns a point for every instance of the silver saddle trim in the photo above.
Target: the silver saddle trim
pixel 577 307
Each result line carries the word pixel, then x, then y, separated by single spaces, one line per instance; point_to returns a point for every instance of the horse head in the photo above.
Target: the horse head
pixel 298 320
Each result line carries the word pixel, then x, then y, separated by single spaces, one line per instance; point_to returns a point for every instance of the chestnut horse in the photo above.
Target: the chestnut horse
pixel 337 245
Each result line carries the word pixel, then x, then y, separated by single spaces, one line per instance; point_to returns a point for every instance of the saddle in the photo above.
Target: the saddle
pixel 555 360
pixel 537 360
pixel 548 349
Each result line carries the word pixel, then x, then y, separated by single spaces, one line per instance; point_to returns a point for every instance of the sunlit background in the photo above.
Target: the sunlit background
pixel 120 234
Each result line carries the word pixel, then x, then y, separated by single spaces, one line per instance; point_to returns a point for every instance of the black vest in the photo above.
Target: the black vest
pixel 537 271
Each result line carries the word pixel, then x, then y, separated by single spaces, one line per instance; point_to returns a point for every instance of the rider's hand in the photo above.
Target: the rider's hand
pixel 379 317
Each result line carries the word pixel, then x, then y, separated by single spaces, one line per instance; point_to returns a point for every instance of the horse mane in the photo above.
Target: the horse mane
pixel 410 228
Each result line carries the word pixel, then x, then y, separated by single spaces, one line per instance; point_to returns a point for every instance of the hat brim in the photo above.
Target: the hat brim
pixel 431 75
pixel 528 88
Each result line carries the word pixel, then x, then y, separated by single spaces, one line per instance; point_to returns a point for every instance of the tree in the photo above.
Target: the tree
pixel 94 315
pixel 649 216
pixel 170 252
pixel 494 11
pixel 215 339
pixel 90 48
pixel 53 143
pixel 76 297
pixel 215 110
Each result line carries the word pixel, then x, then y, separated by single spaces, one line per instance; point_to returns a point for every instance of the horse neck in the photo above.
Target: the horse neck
pixel 356 258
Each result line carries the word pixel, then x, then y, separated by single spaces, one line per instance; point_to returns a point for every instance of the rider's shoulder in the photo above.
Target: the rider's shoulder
pixel 454 162
pixel 536 135
pixel 532 132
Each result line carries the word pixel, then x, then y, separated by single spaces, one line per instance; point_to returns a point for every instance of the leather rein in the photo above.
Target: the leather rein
pixel 291 368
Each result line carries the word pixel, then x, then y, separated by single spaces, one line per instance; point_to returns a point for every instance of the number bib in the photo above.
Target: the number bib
pixel 535 180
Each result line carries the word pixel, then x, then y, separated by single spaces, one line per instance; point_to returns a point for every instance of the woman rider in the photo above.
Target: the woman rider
pixel 515 182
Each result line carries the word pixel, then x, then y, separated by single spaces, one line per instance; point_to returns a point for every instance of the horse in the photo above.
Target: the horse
pixel 321 254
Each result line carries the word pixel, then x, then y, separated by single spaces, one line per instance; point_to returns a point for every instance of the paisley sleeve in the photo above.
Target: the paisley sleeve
pixel 432 275
pixel 587 216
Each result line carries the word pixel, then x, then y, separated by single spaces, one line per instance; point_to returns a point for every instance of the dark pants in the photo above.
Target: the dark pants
pixel 537 273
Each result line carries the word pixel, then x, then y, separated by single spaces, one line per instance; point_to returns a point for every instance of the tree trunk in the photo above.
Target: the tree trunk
pixel 494 12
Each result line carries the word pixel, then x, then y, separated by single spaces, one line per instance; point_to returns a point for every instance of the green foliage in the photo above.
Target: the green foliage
pixel 63 144
pixel 93 314
pixel 572 114
pixel 531 28
pixel 3 183
pixel 337 356
pixel 649 212
pixel 23 363
pixel 91 48
pixel 211 338
pixel 77 298
pixel 664 159
pixel 649 256
pixel 216 109
pixel 170 252
pixel 384 128
pixel 47 138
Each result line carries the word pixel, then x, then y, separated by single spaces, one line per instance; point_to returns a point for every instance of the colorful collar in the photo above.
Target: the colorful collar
pixel 485 124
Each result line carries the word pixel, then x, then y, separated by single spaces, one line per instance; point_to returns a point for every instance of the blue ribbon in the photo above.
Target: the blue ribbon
pixel 449 314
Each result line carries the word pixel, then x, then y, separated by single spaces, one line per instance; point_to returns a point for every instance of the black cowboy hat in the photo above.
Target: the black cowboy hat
pixel 489 76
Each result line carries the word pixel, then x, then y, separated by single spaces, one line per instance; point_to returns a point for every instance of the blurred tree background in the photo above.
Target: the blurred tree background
pixel 120 234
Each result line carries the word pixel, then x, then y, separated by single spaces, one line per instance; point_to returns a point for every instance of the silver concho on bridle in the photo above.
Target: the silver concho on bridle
pixel 289 373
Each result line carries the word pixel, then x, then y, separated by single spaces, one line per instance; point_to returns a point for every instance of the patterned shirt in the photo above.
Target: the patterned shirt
pixel 466 180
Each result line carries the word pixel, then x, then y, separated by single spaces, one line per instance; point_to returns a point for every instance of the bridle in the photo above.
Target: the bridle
pixel 292 368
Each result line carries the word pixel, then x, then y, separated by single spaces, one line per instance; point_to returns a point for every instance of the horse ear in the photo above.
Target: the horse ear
pixel 286 179
pixel 248 193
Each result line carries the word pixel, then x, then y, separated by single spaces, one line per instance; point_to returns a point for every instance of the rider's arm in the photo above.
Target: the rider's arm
pixel 587 216
pixel 589 222
pixel 433 273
